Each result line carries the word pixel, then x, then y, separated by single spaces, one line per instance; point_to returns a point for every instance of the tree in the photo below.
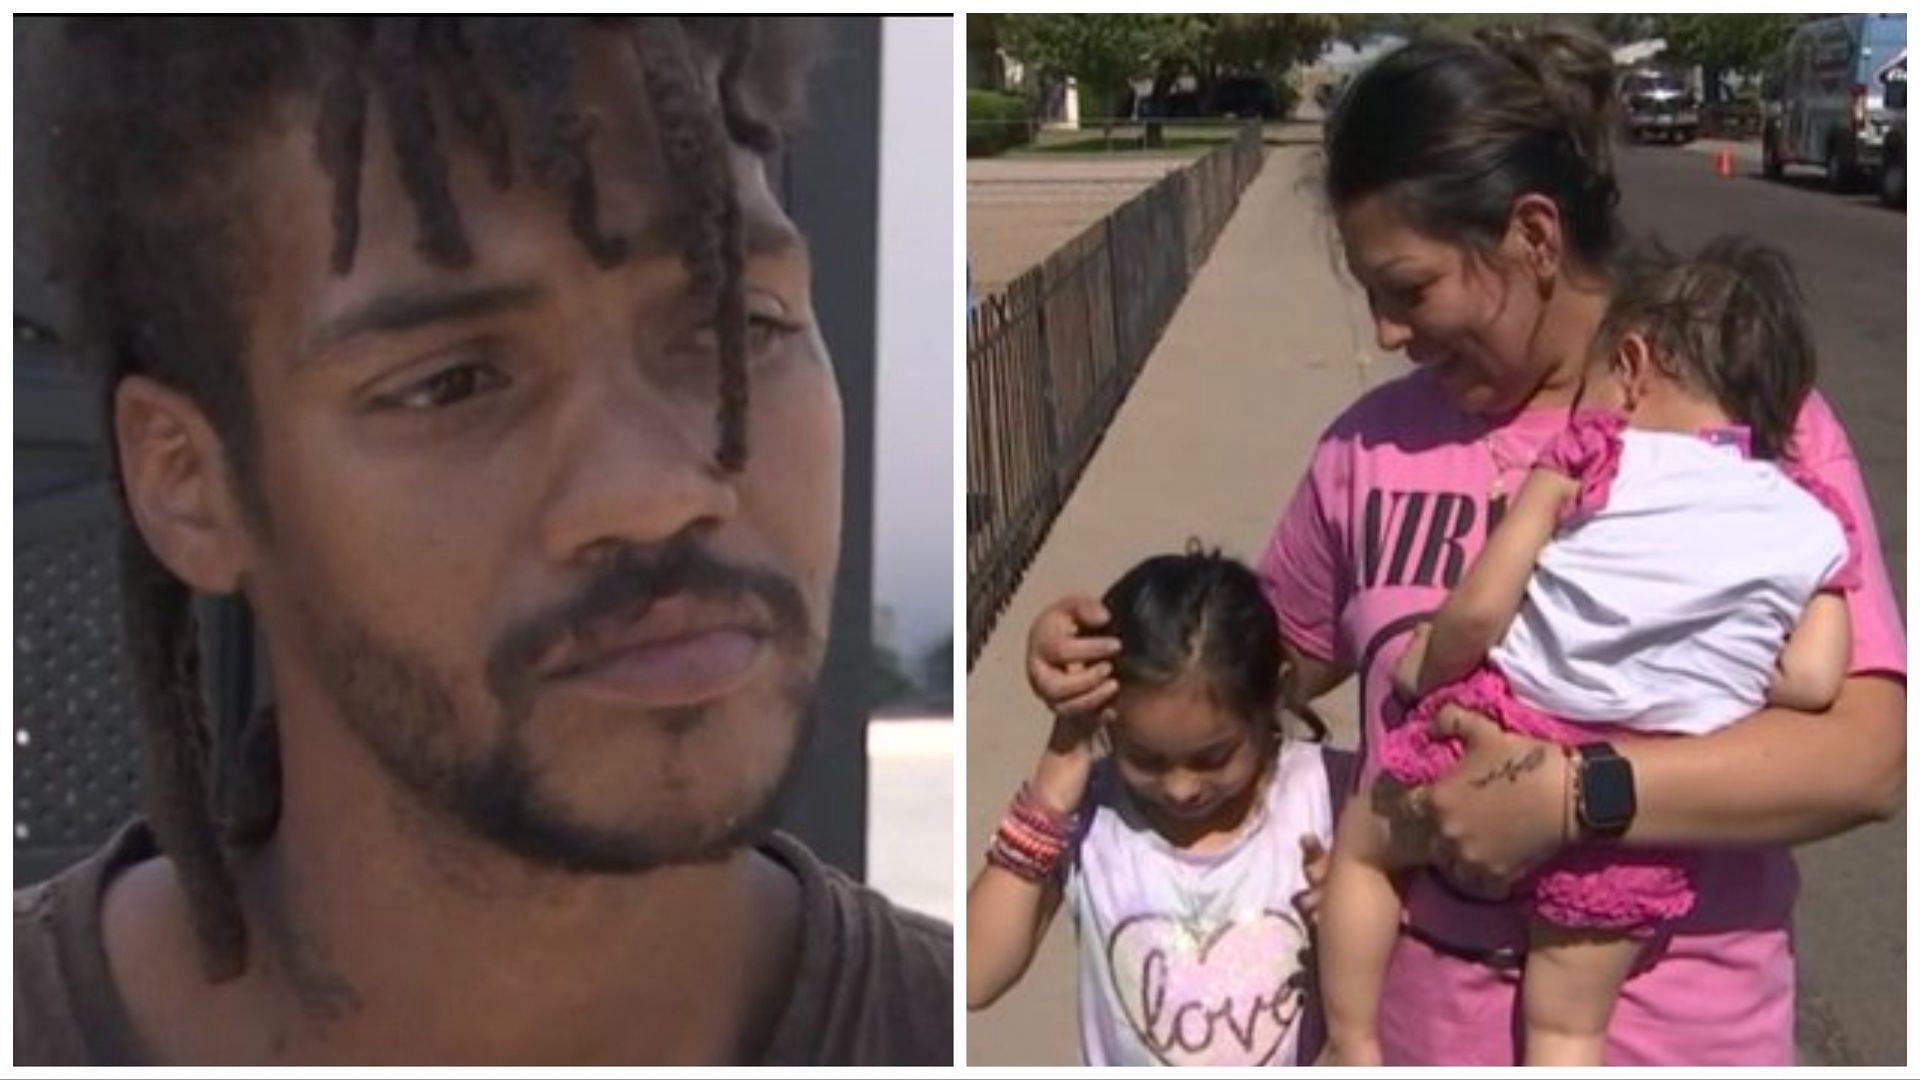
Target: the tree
pixel 1720 43
pixel 1104 52
pixel 1734 42
pixel 1267 45
pixel 1615 28
pixel 1624 29
pixel 936 672
pixel 887 681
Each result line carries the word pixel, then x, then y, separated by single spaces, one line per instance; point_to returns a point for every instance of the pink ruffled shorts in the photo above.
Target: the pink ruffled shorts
pixel 1597 885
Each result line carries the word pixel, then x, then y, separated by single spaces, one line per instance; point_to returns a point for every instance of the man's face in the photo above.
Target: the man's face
pixel 496 542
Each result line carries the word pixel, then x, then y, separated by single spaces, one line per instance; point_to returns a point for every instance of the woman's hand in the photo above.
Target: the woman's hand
pixel 1068 668
pixel 1503 808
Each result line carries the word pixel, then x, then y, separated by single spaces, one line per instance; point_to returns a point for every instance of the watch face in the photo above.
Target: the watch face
pixel 1606 794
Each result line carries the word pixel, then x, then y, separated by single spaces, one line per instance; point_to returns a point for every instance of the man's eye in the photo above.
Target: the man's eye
pixel 765 331
pixel 444 388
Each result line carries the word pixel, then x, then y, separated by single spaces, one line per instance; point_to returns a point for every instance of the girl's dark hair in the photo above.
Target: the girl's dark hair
pixel 1729 322
pixel 150 151
pixel 1455 129
pixel 1199 615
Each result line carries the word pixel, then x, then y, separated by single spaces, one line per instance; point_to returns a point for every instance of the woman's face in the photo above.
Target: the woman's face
pixel 1472 316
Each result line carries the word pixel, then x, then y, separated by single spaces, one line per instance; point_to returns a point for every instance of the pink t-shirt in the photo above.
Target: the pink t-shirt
pixel 1396 502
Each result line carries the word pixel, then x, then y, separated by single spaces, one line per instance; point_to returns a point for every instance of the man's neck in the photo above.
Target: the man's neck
pixel 379 932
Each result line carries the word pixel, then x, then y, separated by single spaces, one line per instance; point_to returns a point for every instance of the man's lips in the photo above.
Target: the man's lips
pixel 676 651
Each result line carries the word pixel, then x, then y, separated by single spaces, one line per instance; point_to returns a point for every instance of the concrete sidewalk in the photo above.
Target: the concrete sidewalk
pixel 1267 347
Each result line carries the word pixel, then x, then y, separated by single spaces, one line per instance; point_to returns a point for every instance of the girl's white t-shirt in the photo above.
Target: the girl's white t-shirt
pixel 1195 959
pixel 1666 609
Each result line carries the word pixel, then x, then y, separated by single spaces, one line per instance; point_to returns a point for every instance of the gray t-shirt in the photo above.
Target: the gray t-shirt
pixel 873 986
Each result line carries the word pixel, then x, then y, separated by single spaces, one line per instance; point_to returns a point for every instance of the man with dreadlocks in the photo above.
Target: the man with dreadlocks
pixel 477 356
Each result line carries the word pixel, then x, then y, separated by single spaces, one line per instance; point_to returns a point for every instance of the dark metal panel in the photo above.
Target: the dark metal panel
pixel 831 183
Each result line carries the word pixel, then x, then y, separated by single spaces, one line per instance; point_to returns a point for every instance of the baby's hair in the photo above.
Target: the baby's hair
pixel 1202 615
pixel 1728 322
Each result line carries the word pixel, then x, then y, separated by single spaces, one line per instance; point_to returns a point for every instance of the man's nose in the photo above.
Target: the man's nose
pixel 636 467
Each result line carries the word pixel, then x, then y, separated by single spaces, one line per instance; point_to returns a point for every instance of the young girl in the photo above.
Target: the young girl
pixel 1664 570
pixel 1180 851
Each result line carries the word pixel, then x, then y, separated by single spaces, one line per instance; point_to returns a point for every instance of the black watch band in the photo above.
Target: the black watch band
pixel 1603 791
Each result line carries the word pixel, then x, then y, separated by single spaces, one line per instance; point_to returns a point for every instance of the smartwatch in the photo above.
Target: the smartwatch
pixel 1603 791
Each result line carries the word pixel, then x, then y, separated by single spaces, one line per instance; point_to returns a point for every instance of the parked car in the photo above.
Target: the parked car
pixel 1178 104
pixel 1658 104
pixel 1828 105
pixel 1246 95
pixel 1893 170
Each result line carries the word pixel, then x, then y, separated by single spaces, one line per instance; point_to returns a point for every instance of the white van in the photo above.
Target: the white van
pixel 1827 103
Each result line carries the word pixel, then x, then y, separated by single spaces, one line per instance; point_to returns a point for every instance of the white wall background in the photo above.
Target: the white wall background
pixel 918 303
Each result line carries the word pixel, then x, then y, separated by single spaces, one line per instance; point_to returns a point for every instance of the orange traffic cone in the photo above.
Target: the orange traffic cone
pixel 1723 164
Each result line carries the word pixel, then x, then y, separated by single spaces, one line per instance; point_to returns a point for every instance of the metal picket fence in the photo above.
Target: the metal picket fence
pixel 1050 357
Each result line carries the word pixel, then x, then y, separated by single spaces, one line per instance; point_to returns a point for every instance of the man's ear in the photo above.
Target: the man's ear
pixel 178 487
pixel 1535 234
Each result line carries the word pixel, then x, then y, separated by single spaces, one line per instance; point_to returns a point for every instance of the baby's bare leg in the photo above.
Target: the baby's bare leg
pixel 1359 920
pixel 1573 978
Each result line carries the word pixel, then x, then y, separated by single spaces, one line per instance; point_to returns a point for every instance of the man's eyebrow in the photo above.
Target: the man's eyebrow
pixel 394 312
pixel 767 237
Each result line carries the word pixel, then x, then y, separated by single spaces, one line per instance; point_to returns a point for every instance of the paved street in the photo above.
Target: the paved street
pixel 1851 256
pixel 1268 345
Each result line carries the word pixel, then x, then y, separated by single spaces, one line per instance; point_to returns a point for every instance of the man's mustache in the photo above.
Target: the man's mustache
pixel 629 583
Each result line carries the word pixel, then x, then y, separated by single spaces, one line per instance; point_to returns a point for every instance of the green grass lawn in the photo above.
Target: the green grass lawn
pixel 1183 139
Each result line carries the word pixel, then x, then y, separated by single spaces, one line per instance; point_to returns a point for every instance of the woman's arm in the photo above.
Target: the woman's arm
pixel 1477 612
pixel 1777 777
pixel 1007 915
pixel 1306 676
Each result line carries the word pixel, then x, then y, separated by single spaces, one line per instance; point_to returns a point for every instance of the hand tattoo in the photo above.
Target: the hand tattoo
pixel 1511 769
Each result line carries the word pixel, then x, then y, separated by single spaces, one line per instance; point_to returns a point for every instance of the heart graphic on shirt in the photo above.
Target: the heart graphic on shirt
pixel 1222 995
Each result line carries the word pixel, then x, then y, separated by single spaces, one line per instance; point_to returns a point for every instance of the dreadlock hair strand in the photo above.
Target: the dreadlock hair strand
pixel 708 218
pixel 742 126
pixel 423 172
pixel 340 139
pixel 538 63
pixel 474 106
pixel 162 631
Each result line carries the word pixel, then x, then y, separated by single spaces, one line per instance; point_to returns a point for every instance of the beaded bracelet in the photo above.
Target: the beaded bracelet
pixel 1031 838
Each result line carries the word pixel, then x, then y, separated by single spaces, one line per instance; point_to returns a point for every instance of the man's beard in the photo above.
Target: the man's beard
pixel 405 710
